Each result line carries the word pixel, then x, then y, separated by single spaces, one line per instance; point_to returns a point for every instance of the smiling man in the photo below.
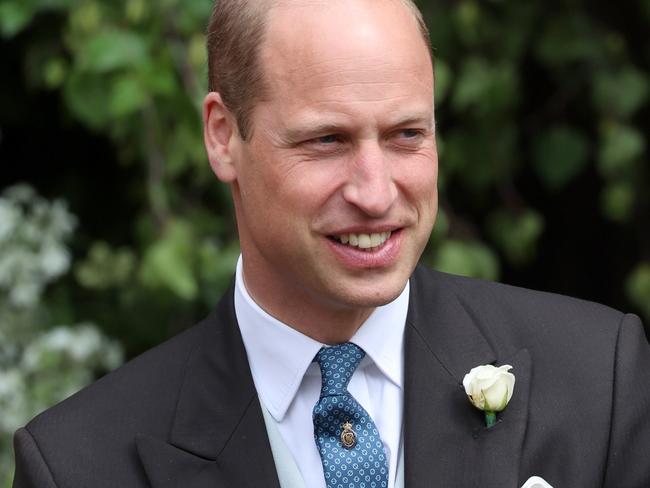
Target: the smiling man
pixel 334 186
pixel 334 360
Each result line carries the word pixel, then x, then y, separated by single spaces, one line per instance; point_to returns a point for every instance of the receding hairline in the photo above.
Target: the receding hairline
pixel 409 4
pixel 241 79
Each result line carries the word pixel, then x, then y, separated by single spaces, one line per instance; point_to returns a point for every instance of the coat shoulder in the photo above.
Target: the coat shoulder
pixel 512 317
pixel 129 387
pixel 95 428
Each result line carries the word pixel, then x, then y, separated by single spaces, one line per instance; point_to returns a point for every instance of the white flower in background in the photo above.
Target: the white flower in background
pixel 489 389
pixel 55 259
pixel 25 294
pixel 39 366
pixel 33 232
pixel 87 343
pixel 13 400
pixel 82 344
pixel 9 215
pixel 61 219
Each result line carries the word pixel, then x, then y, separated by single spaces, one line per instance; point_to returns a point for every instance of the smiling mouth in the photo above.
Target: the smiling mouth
pixel 365 242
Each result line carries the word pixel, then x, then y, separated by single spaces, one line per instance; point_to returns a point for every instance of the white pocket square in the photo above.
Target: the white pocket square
pixel 536 482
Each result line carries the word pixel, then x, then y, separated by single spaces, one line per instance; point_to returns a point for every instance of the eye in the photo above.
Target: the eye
pixel 325 144
pixel 410 133
pixel 408 139
pixel 328 139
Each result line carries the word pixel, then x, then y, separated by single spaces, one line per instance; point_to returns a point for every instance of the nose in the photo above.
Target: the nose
pixel 370 186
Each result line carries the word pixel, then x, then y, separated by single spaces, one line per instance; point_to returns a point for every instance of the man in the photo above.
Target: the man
pixel 321 121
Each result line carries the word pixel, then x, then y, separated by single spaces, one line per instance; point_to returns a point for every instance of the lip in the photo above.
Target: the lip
pixel 355 258
pixel 366 230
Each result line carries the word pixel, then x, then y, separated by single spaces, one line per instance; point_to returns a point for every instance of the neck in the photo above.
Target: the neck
pixel 323 322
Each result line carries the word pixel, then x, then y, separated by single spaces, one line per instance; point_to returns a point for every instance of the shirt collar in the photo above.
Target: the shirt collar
pixel 280 355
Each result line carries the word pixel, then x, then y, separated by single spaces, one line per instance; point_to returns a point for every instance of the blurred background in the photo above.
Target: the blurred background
pixel 115 235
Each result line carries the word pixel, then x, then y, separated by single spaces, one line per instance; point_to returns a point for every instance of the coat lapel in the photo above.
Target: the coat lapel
pixel 446 442
pixel 218 436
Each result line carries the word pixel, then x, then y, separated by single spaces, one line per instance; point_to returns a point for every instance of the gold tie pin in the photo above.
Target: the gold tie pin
pixel 348 437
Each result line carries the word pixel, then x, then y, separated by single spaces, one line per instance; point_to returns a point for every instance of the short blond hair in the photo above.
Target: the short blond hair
pixel 235 35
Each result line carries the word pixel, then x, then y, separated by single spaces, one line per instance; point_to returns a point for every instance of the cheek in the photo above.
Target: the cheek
pixel 281 195
pixel 306 185
pixel 419 182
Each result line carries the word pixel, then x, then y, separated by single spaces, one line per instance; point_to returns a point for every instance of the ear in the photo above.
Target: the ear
pixel 220 136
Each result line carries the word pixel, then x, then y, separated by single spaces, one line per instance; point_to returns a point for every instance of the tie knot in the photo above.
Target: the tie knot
pixel 337 365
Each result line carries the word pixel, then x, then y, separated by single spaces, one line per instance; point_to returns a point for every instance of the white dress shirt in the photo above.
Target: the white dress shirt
pixel 288 382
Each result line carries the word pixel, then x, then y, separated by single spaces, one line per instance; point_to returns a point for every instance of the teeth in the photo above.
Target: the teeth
pixel 364 241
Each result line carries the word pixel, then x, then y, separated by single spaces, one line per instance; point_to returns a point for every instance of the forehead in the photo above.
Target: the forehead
pixel 344 45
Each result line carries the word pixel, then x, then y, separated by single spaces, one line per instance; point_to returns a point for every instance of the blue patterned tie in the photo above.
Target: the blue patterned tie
pixel 347 439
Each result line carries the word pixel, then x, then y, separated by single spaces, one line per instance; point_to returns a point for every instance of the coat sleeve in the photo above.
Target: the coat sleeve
pixel 31 468
pixel 627 464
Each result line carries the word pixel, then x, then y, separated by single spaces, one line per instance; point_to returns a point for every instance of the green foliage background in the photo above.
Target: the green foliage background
pixel 543 111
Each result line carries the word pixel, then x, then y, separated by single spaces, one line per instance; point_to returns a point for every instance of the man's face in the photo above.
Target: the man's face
pixel 335 190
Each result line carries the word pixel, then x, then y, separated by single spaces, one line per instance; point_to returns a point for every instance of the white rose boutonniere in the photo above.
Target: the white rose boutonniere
pixel 490 389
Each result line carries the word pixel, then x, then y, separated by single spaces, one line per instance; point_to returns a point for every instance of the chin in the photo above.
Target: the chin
pixel 371 296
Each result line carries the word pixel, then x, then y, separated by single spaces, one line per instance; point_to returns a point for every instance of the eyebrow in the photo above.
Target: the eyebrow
pixel 292 135
pixel 300 133
pixel 415 119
